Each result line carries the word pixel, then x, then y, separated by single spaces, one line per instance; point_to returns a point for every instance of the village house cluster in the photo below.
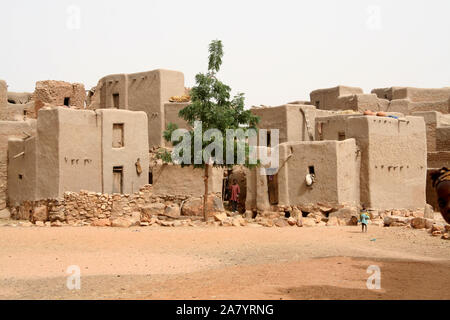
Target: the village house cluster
pixel 67 154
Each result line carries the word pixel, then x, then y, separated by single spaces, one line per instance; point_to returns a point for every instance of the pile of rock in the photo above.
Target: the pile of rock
pixel 121 210
pixel 435 228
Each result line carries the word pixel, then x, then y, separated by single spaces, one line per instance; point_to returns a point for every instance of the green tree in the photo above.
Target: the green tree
pixel 212 105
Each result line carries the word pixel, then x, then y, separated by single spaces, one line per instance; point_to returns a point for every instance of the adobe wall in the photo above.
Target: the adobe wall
pixel 393 163
pixel 19 97
pixel 407 107
pixel 78 150
pixel 289 120
pixel 53 93
pixel 385 93
pixel 145 91
pixel 171 110
pixel 443 138
pixel 438 159
pixel 336 170
pixel 169 179
pixel 3 94
pixel 328 99
pixel 432 120
pixel 22 170
pixel 135 146
pixel 10 129
pixel 18 112
pixel 421 94
pixel 257 196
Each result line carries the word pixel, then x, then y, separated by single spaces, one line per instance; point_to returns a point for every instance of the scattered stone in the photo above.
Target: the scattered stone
pixel 121 222
pixel 40 224
pixel 308 222
pixel 436 233
pixel 418 223
pixel 437 227
pixel 292 221
pixel 333 221
pixel 281 223
pixel 172 211
pixel 56 223
pixel 101 223
pixel 40 214
pixel 446 236
pixel 220 216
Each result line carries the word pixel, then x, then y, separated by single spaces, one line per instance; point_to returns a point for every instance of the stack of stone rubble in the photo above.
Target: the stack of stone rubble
pixel 90 208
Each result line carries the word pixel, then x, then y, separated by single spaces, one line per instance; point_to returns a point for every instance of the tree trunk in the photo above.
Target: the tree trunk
pixel 205 197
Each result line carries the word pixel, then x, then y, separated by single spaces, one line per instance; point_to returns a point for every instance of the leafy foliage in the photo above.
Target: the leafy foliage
pixel 212 104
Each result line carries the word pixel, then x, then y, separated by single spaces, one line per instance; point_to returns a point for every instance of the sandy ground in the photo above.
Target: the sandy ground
pixel 222 263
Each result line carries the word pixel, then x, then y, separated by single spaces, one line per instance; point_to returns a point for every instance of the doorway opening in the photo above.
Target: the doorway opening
pixel 67 101
pixel 118 180
pixel 272 186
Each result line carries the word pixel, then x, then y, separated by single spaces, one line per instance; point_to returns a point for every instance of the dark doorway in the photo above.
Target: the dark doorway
pixel 150 177
pixel 118 180
pixel 67 101
pixel 272 185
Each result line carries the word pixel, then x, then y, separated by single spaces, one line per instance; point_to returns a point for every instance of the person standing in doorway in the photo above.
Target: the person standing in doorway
pixel 235 191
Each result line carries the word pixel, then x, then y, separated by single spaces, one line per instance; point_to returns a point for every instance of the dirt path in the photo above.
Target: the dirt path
pixel 222 263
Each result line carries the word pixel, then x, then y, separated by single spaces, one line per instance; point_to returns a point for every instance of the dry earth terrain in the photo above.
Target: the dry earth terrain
pixel 251 262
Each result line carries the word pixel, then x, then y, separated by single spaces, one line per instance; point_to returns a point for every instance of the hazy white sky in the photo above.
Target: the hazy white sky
pixel 275 51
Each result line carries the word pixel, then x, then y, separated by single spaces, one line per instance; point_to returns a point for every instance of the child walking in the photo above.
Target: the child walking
pixel 364 219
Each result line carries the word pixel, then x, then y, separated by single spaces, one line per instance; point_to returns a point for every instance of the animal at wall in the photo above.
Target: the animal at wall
pixel 441 183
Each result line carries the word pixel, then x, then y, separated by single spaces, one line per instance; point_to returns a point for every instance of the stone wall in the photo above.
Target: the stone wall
pixel 98 209
pixel 10 129
pixel 56 93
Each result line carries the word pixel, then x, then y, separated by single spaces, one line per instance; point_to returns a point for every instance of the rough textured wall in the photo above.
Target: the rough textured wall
pixel 274 118
pixel 135 146
pixel 171 110
pixel 328 99
pixel 19 97
pixel 10 129
pixel 78 150
pixel 432 120
pixel 438 159
pixel 3 94
pixel 443 138
pixel 22 170
pixel 257 197
pixel 18 112
pixel 53 93
pixel 334 183
pixel 421 94
pixel 145 91
pixel 174 180
pixel 393 157
pixel 393 165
